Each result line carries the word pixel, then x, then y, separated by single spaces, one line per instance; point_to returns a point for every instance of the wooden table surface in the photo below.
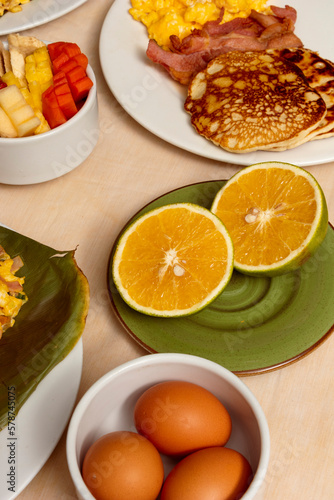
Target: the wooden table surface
pixel 87 208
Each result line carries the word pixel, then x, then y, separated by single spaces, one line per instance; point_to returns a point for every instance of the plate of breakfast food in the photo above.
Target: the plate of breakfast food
pixel 17 15
pixel 257 324
pixel 44 304
pixel 247 87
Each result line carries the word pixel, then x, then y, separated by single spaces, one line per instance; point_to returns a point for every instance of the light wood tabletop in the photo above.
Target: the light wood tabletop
pixel 88 207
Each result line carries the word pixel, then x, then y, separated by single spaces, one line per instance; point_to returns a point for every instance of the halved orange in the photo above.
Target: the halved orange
pixel 173 261
pixel 276 214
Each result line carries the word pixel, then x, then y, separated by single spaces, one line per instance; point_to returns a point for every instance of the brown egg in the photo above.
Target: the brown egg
pixel 212 473
pixel 122 466
pixel 181 417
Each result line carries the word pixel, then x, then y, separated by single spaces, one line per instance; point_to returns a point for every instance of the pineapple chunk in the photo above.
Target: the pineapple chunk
pixel 35 95
pixel 44 126
pixel 11 79
pixel 28 97
pixel 39 75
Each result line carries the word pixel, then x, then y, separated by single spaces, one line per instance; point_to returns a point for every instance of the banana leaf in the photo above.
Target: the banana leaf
pixel 48 325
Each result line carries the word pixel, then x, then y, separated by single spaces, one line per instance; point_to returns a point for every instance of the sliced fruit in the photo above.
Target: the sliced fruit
pixel 38 72
pixel 54 98
pixel 59 61
pixel 67 58
pixel 28 96
pixel 276 214
pixel 28 127
pixel 32 99
pixel 51 108
pixel 173 261
pixel 10 79
pixel 44 126
pixel 79 83
pixel 20 113
pixel 81 60
pixel 7 129
pixel 55 49
pixel 64 95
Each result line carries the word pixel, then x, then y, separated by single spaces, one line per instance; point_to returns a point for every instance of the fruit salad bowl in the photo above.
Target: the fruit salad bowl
pixel 46 156
pixel 109 404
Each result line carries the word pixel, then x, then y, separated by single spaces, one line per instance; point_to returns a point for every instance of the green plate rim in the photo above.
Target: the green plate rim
pixel 149 349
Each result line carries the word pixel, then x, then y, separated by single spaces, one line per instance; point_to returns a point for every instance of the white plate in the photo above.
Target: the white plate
pixel 35 13
pixel 155 101
pixel 40 423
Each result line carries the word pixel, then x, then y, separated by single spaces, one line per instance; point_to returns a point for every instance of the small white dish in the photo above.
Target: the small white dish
pixel 108 406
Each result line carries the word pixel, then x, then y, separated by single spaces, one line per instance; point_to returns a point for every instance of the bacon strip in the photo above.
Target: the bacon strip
pixel 17 264
pixel 256 32
pixel 180 67
pixel 13 286
pixel 285 12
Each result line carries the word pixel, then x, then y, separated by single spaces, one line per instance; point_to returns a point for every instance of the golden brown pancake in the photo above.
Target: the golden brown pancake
pixel 248 101
pixel 320 75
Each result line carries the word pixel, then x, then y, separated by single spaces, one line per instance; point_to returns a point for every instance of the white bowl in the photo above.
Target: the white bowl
pixel 108 406
pixel 42 157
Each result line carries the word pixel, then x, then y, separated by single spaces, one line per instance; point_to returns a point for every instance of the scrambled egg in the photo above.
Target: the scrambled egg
pixel 11 5
pixel 12 296
pixel 164 18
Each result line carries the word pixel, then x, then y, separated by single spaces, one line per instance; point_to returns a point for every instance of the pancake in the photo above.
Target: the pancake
pixel 320 75
pixel 248 101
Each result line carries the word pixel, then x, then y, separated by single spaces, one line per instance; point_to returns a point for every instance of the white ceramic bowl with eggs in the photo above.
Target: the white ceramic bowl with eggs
pixel 43 157
pixel 108 406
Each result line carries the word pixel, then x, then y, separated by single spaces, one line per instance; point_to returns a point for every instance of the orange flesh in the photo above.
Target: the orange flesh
pixel 268 213
pixel 173 260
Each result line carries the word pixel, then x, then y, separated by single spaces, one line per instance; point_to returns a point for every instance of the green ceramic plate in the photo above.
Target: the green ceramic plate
pixel 256 324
